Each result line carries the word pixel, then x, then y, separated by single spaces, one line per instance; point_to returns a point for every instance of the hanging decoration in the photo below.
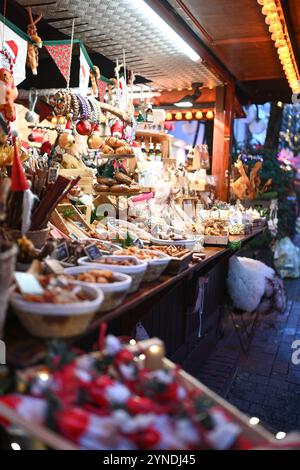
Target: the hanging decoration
pixel 272 9
pixel 8 94
pixel 84 74
pixel 35 44
pixel 14 51
pixel 60 53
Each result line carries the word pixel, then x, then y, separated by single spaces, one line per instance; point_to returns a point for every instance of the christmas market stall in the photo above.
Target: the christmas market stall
pixel 120 245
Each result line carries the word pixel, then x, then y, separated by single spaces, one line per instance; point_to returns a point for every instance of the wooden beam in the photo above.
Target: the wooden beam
pixel 251 39
pixel 222 140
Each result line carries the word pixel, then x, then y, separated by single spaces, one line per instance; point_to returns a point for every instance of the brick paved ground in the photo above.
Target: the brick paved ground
pixel 263 382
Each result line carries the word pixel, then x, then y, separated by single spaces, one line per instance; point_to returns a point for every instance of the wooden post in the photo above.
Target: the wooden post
pixel 222 140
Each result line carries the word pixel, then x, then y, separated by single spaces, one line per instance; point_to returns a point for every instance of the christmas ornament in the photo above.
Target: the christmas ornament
pixel 66 138
pixel 46 147
pixel 83 127
pixel 117 130
pixel 94 140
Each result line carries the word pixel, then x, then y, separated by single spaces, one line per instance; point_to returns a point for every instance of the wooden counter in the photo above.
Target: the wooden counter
pixel 22 349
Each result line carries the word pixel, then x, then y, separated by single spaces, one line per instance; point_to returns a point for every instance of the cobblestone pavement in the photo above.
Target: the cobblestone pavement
pixel 263 382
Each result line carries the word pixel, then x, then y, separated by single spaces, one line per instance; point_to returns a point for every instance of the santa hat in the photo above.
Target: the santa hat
pixel 18 178
pixel 14 49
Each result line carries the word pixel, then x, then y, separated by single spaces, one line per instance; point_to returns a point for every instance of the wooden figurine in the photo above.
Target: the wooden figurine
pixel 32 54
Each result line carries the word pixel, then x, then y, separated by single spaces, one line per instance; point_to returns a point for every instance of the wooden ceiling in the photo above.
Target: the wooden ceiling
pixel 236 33
pixel 230 36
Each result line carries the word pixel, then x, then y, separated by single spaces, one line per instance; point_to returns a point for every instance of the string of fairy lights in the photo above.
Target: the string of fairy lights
pixel 189 115
pixel 274 18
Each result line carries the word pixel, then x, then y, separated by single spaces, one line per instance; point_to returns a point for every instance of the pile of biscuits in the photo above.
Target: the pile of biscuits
pixel 215 227
pixel 115 146
pixel 120 183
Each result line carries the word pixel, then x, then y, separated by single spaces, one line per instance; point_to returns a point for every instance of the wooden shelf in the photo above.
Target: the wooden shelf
pixel 153 134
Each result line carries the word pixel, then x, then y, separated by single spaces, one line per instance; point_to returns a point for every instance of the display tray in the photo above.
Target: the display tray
pixel 177 265
pixel 114 156
pixel 258 436
pixel 216 240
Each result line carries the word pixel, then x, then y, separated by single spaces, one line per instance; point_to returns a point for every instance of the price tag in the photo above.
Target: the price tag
pixel 52 175
pixel 93 252
pixel 61 252
pixel 138 243
pixel 28 284
pixel 54 266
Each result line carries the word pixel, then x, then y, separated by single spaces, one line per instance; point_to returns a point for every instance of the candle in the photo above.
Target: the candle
pixel 154 355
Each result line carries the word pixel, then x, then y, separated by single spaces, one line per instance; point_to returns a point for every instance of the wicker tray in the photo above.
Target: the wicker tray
pixel 257 435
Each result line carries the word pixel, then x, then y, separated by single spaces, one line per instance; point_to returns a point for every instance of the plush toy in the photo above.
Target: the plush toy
pixel 8 94
pixel 32 54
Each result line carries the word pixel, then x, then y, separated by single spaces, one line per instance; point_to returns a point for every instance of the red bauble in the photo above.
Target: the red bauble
pixel 140 405
pixel 46 147
pixel 169 395
pixel 83 127
pixel 148 439
pixel 72 422
pixel 124 357
pixel 97 390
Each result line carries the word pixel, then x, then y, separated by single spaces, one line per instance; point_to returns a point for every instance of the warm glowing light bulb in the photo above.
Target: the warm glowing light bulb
pixel 199 115
pixel 269 8
pixel 189 115
pixel 169 116
pixel 253 421
pixel 209 115
pixel 272 18
pixel 15 446
pixel 280 435
pixel 275 28
pixel 178 116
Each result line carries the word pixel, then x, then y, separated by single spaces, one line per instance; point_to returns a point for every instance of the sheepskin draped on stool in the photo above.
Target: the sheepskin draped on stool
pixel 255 287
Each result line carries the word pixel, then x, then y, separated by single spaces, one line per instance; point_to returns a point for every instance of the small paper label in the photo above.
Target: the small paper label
pixel 54 266
pixel 52 175
pixel 93 252
pixel 138 243
pixel 28 284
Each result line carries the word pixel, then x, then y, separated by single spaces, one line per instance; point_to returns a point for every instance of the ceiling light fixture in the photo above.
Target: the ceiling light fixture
pixel 188 100
pixel 149 13
pixel 272 9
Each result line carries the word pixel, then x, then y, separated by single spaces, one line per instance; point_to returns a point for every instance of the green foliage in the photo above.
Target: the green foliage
pixel 68 213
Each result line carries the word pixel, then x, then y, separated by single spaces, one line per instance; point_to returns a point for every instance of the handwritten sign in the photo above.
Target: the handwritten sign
pixel 93 252
pixel 61 252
